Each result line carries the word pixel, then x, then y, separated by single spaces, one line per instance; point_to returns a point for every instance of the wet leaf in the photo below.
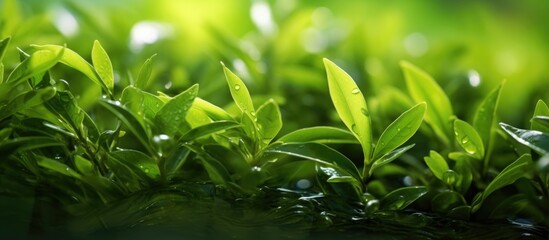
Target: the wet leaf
pixel 350 106
pixel 140 102
pixel 319 153
pixel 321 134
pixel 437 164
pixel 533 139
pixel 83 165
pixel 269 121
pixel 389 157
pixel 57 167
pixel 485 116
pixel 140 163
pixel 401 198
pixel 27 143
pixel 130 120
pixel 399 131
pixel 541 122
pixel 468 138
pixel 239 92
pixel 423 88
pixel 170 119
pixel 102 64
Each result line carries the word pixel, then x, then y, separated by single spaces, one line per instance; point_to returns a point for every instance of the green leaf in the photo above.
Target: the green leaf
pixel 170 119
pixel 83 165
pixel 465 175
pixel 540 110
pixel 437 164
pixel 217 172
pixel 399 131
pixel 319 153
pixel 519 168
pixel 26 100
pixel 423 88
pixel 214 112
pixel 350 106
pixel 208 129
pixel 140 163
pixel 389 157
pixel 144 73
pixel 129 120
pixel 57 167
pixel 26 143
pixel 3 46
pixel 401 198
pixel 174 161
pixel 321 134
pixel 468 138
pixel 533 139
pixel 445 201
pixel 239 92
pixel 269 121
pixel 1 73
pixel 485 116
pixel 75 61
pixel 102 64
pixel 140 102
pixel 541 122
pixel 38 62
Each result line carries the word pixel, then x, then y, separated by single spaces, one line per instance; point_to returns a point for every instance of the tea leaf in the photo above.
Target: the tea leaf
pixel 423 88
pixel 540 110
pixel 389 157
pixel 102 64
pixel 269 121
pixel 519 168
pixel 533 139
pixel 140 163
pixel 468 138
pixel 144 73
pixel 3 46
pixel 208 129
pixel 37 63
pixel 129 120
pixel 26 143
pixel 321 134
pixel 140 102
pixel 214 112
pixel 83 165
pixel 437 164
pixel 350 106
pixel 443 202
pixel 401 198
pixel 239 92
pixel 170 119
pixel 399 131
pixel 75 61
pixel 318 153
pixel 485 116
pixel 26 100
pixel 57 167
pixel 541 122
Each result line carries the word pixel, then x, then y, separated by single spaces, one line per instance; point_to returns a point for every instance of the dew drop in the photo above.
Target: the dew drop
pixel 236 87
pixel 146 170
pixel 365 112
pixel 355 91
pixel 398 129
pixel 465 140
pixel 354 128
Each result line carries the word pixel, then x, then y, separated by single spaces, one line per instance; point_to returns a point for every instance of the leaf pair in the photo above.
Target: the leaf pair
pixel 353 111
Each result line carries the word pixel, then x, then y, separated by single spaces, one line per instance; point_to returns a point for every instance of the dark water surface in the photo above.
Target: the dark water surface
pixel 201 212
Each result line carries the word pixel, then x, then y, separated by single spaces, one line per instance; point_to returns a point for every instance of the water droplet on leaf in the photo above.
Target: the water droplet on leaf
pixel 355 91
pixel 236 87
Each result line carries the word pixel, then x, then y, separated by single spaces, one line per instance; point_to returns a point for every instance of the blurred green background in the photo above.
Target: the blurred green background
pixel 277 48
